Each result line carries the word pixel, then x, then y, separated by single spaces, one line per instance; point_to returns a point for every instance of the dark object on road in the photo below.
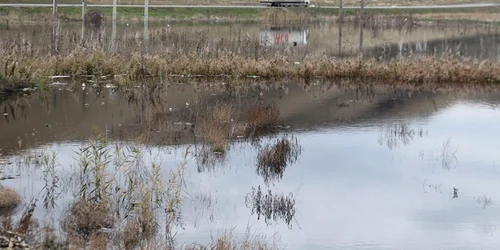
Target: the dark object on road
pixel 455 193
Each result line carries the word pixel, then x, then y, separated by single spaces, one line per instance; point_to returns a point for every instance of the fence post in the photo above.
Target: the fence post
pixel 361 25
pixel 341 10
pixel 54 9
pixel 113 28
pixel 84 7
pixel 146 31
pixel 114 10
pixel 340 21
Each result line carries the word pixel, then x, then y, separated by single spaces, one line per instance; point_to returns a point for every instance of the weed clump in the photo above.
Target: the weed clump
pixel 9 201
pixel 273 159
pixel 262 120
pixel 87 218
pixel 215 127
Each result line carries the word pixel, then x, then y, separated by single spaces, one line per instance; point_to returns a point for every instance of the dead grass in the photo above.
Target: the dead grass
pixel 484 17
pixel 446 69
pixel 322 2
pixel 9 201
pixel 215 127
pixel 227 241
pixel 262 120
pixel 85 219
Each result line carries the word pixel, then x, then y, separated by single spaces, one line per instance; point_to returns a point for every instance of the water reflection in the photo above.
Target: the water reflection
pixel 272 207
pixel 284 36
pixel 398 132
pixel 408 196
pixel 390 38
pixel 159 115
pixel 274 158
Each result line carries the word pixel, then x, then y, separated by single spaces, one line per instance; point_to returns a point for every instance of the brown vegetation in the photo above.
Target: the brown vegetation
pixel 215 127
pixel 226 241
pixel 9 201
pixel 262 119
pixel 85 219
pixel 452 70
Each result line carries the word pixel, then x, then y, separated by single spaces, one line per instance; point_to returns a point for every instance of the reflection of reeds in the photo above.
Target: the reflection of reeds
pixel 271 206
pixel 447 155
pixel 398 132
pixel 273 159
pixel 484 201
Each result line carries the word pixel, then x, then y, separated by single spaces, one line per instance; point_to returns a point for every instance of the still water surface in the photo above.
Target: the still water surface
pixel 357 184
pixel 382 37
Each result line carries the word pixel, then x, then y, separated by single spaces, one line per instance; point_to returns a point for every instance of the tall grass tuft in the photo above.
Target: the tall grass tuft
pixel 9 201
pixel 215 127
pixel 262 120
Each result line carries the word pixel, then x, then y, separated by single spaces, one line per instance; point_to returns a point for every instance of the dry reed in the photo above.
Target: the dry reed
pixel 452 70
pixel 215 127
pixel 262 120
pixel 85 219
pixel 9 201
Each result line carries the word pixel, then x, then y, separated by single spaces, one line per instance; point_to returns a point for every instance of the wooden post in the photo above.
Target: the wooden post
pixel 361 25
pixel 54 9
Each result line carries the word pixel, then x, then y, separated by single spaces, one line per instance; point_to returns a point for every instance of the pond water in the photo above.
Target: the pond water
pixel 382 37
pixel 376 167
pixel 365 165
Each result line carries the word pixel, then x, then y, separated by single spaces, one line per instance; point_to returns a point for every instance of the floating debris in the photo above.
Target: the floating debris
pixel 183 123
pixel 28 89
pixel 59 83
pixel 56 77
pixel 110 86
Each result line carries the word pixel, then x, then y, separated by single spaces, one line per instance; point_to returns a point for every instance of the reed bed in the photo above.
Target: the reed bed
pixel 425 69
pixel 120 202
